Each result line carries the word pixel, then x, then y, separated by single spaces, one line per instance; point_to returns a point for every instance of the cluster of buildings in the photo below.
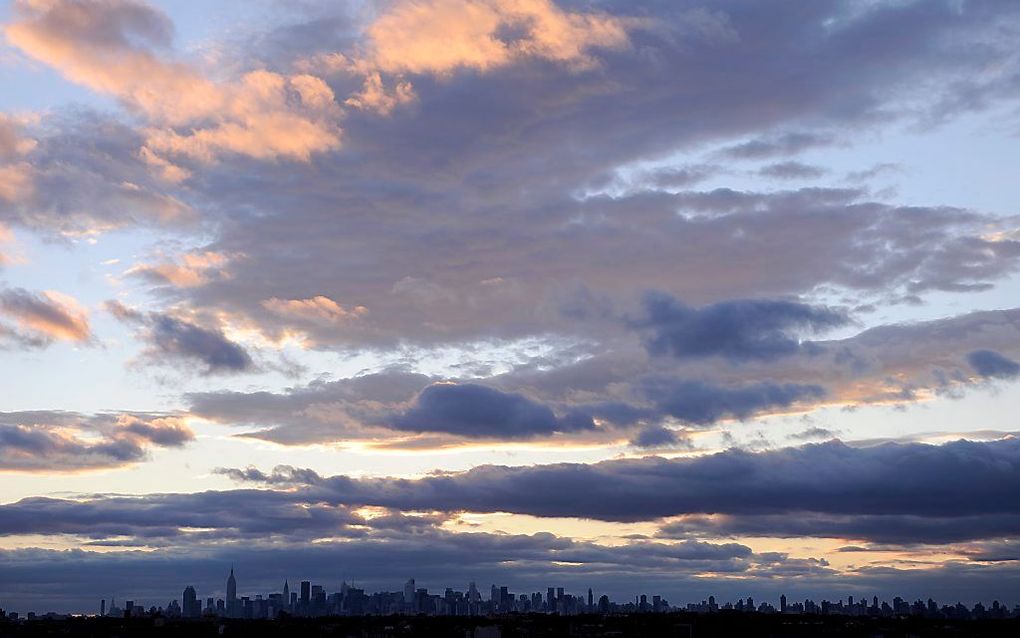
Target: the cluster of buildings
pixel 861 607
pixel 311 601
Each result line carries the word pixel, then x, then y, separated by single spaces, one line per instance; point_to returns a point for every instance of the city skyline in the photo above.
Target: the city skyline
pixel 307 598
pixel 644 296
pixel 311 600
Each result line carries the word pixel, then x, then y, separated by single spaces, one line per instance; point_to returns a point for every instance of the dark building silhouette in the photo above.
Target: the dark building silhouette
pixel 190 607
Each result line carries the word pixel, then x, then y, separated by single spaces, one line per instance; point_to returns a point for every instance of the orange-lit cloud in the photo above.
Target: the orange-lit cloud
pixel 120 47
pixel 15 172
pixel 192 269
pixel 441 36
pixel 43 441
pixel 50 315
pixel 319 310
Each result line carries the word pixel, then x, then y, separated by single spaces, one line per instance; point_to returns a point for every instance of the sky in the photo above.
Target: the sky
pixel 684 298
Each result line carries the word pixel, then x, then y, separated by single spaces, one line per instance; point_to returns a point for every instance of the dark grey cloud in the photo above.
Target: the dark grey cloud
pixel 657 436
pixel 962 478
pixel 792 170
pixel 779 145
pixel 894 530
pixel 176 337
pixel 167 518
pixel 704 403
pixel 622 390
pixel 679 177
pixel 473 410
pixel 173 338
pixel 877 170
pixel 991 364
pixel 47 441
pixel 903 494
pixel 745 329
pixel 813 433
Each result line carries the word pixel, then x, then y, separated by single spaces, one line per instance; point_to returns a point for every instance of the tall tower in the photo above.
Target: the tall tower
pixel 190 603
pixel 286 594
pixel 231 586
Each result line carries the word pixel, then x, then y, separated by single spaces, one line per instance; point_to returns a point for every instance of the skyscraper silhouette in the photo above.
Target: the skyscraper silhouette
pixel 189 603
pixel 233 605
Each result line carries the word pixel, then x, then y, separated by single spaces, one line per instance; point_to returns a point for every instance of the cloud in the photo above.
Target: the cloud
pixel 442 36
pixel 792 170
pixel 701 403
pixel 16 174
pixel 13 143
pixel 472 410
pixel 623 391
pixel 896 493
pixel 991 364
pixel 55 442
pixel 877 170
pixel 170 337
pixel 317 310
pixel 526 562
pixel 121 48
pixel 779 145
pixel 895 531
pixel 187 271
pixel 54 579
pixel 6 239
pixel 739 330
pixel 83 177
pixel 957 479
pixel 45 317
pixel 656 436
pixel 503 152
pixel 813 433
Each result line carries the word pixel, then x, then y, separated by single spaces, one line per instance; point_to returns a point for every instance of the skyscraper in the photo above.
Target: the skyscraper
pixel 306 592
pixel 286 594
pixel 233 605
pixel 190 607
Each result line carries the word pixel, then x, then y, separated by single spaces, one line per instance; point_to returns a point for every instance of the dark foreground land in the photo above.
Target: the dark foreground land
pixel 681 625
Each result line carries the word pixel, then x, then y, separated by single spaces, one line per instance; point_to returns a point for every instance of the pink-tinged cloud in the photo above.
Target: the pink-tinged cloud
pixel 15 172
pixel 318 310
pixel 46 441
pixel 121 48
pixel 189 271
pixel 441 36
pixel 48 316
